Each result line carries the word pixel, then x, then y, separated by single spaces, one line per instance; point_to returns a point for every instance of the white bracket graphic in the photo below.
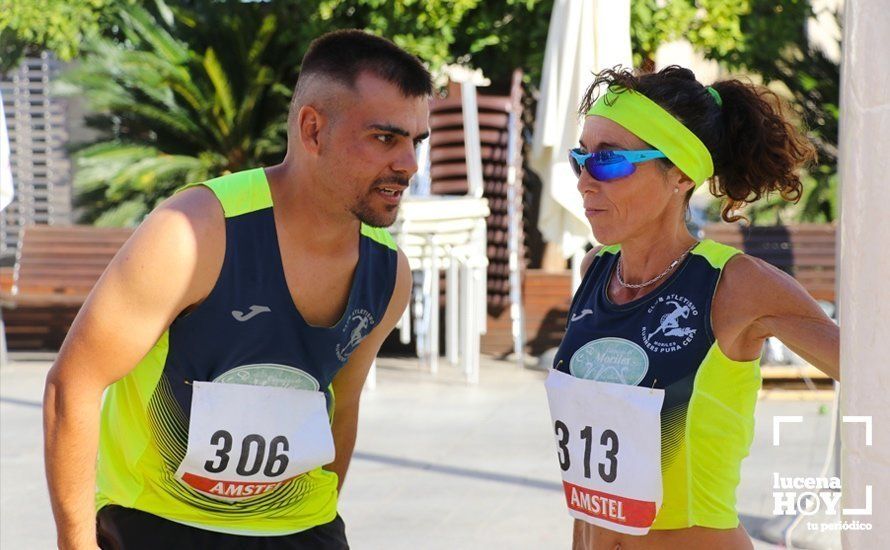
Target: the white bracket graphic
pixel 865 420
pixel 779 420
pixel 860 511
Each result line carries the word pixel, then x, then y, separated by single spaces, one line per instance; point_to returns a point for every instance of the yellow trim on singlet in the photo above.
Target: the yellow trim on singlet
pixel 239 193
pixel 144 434
pixel 699 485
pixel 125 442
pixel 611 249
pixel 716 253
pixel 380 235
pixel 248 191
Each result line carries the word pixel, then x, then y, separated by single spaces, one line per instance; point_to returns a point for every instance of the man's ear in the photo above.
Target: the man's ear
pixel 310 123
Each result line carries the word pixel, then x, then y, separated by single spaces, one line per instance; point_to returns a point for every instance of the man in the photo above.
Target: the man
pixel 236 328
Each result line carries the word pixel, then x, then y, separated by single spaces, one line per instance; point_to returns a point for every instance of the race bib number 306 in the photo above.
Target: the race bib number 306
pixel 245 440
pixel 608 442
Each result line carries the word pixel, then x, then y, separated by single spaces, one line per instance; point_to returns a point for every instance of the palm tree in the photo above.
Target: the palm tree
pixel 174 111
pixel 188 92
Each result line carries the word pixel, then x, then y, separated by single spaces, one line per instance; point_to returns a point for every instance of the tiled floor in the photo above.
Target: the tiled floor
pixel 438 464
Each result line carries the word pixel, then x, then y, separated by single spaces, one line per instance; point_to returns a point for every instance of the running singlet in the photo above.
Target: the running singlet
pixel 247 332
pixel 664 340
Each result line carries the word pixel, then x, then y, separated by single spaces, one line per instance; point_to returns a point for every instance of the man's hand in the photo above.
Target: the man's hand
pixel 349 381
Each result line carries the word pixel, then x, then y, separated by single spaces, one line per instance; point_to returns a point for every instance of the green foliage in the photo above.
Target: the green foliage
pixel 501 36
pixel 712 26
pixel 776 48
pixel 426 29
pixel 28 26
pixel 495 36
pixel 189 91
pixel 200 87
pixel 766 38
pixel 176 111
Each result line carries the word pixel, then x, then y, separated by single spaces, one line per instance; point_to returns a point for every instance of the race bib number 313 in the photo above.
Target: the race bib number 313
pixel 608 439
pixel 245 440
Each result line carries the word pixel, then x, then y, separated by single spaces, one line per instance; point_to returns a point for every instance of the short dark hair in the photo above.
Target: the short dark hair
pixel 344 54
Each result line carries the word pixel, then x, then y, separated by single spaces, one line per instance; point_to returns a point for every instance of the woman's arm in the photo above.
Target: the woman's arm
pixel 772 303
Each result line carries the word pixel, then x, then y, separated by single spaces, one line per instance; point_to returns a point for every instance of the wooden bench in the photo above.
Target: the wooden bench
pixel 55 269
pixel 806 251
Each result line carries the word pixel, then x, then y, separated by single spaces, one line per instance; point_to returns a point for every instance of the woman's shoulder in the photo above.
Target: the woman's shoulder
pixel 596 251
pixel 748 274
pixel 717 254
pixel 751 288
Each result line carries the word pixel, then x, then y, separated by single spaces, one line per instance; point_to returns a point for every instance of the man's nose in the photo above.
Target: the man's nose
pixel 406 161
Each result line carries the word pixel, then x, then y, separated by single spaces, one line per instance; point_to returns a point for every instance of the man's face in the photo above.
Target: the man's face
pixel 370 152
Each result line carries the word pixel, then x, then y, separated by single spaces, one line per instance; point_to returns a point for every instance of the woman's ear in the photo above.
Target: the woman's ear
pixel 680 181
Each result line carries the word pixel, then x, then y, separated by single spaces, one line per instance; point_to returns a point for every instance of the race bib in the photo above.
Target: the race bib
pixel 246 440
pixel 608 439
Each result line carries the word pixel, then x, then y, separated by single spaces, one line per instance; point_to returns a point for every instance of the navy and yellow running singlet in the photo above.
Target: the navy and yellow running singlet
pixel 248 331
pixel 665 340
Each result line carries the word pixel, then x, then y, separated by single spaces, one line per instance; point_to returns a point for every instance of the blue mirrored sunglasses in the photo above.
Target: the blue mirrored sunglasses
pixel 610 165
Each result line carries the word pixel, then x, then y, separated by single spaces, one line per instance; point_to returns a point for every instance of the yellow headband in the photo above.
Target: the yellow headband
pixel 648 121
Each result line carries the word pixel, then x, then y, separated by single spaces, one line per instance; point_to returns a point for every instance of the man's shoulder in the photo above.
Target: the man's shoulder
pixel 194 211
pixel 185 232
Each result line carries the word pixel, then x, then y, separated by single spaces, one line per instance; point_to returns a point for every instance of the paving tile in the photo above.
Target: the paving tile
pixel 438 463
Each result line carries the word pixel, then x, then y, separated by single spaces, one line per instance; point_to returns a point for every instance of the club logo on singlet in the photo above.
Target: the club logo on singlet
pixel 667 328
pixel 614 360
pixel 358 325
pixel 269 374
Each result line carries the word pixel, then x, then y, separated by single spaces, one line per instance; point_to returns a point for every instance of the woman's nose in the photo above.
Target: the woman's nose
pixel 587 184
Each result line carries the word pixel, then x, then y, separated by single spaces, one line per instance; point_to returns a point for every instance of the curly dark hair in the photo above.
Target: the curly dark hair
pixel 755 148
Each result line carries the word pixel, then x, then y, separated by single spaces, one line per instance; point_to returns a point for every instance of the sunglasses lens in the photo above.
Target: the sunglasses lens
pixel 576 168
pixel 613 169
pixel 604 166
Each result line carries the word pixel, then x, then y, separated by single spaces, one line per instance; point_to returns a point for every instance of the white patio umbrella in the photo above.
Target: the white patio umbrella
pixel 6 191
pixel 585 36
pixel 6 188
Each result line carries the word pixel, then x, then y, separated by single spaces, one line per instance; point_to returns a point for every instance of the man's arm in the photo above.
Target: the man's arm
pixel 349 381
pixel 156 274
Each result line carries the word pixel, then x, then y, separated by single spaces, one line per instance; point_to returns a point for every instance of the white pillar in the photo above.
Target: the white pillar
pixel 864 295
pixel 433 297
pixel 452 310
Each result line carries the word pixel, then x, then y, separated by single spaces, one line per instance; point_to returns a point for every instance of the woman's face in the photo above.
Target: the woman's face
pixel 631 206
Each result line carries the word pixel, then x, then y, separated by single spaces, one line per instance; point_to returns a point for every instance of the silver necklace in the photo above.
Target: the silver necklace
pixel 657 277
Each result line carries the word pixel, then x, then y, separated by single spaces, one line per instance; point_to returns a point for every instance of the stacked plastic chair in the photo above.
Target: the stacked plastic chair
pixel 499 125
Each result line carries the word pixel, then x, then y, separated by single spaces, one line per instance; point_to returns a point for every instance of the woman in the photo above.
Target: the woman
pixel 655 381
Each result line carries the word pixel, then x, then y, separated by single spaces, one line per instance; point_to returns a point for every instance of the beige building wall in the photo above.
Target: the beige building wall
pixel 864 293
